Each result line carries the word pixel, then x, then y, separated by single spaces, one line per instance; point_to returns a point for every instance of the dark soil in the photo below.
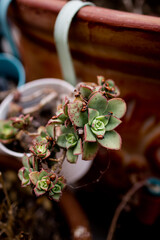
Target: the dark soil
pixel 34 218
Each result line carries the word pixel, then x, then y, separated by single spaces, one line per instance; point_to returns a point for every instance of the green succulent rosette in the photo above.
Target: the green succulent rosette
pixel 44 184
pixel 40 149
pixel 70 140
pixel 103 117
pixel 22 121
pixel 108 86
pixel 41 181
pixel 56 192
pixel 7 132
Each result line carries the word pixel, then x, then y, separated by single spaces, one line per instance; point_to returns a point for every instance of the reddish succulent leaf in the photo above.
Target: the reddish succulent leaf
pixel 38 192
pixel 77 117
pixel 34 177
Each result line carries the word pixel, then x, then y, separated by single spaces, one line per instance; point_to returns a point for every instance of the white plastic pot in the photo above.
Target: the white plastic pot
pixel 72 172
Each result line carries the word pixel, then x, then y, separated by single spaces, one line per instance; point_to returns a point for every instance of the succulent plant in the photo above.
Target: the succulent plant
pixel 70 140
pixel 7 132
pixel 47 183
pixel 40 149
pixel 79 127
pixel 99 120
pixel 56 192
pixel 22 121
pixel 108 86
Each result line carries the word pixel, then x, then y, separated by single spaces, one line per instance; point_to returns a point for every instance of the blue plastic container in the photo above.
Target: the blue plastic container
pixel 10 65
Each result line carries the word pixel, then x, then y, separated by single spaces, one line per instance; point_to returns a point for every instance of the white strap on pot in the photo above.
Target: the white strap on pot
pixel 61 31
pixel 4 4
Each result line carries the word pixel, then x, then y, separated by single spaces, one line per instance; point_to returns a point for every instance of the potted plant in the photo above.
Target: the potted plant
pixel 119 45
pixel 80 125
pixel 122 46
pixel 82 129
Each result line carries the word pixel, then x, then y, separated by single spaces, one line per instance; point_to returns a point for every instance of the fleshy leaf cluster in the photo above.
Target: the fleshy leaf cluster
pixel 43 182
pixel 90 120
pixel 80 125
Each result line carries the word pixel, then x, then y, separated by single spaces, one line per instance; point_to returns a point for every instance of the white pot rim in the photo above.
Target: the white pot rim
pixel 35 83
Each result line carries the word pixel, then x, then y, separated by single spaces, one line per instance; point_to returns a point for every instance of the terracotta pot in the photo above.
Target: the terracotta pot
pixel 102 41
pixel 119 45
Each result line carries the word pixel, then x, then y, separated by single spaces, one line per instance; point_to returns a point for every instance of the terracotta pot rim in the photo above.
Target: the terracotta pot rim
pixel 100 15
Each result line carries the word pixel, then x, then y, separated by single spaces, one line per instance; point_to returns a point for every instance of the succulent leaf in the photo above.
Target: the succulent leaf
pixel 77 117
pixel 92 113
pixel 55 196
pixel 61 141
pixel 30 162
pixel 65 106
pixel 34 176
pixel 117 106
pixel 68 129
pixel 55 121
pixel 61 116
pixel 113 123
pixel 50 130
pixel 23 175
pixel 78 148
pixel 98 102
pixel 88 134
pixel 42 174
pixel 70 156
pixel 38 192
pixel 90 150
pixel 111 140
pixel 85 91
pixel 25 161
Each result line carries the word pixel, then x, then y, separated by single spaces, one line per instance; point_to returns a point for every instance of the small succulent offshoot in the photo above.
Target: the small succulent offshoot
pixel 79 127
pixel 7 132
